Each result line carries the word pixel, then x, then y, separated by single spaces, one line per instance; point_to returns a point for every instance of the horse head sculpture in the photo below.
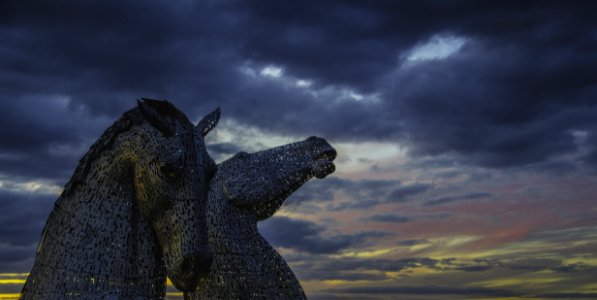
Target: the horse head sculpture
pixel 260 182
pixel 248 188
pixel 129 216
pixel 171 173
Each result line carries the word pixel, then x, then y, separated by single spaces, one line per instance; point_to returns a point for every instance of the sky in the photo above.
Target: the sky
pixel 466 130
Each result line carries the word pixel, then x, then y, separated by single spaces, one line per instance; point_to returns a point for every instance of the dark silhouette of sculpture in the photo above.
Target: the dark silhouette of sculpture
pixel 245 189
pixel 129 216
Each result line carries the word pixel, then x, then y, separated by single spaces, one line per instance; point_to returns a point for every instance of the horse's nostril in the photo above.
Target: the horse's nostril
pixel 185 277
pixel 331 154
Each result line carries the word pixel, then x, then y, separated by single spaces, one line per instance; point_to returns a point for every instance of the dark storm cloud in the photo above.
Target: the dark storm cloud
pixel 397 218
pixel 23 217
pixel 111 52
pixel 426 290
pixel 382 196
pixel 348 276
pixel 567 236
pixel 305 236
pixel 389 218
pixel 477 121
pixel 43 138
pixel 567 296
pixel 412 242
pixel 364 192
pixel 16 258
pixel 510 97
pixel 449 199
pixel 403 194
pixel 518 265
pixel 540 264
pixel 352 269
pixel 326 296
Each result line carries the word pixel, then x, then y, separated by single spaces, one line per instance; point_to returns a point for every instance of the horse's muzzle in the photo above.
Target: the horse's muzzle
pixel 185 276
pixel 324 155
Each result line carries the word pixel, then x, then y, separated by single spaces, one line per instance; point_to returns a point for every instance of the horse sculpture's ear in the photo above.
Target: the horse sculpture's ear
pixel 208 122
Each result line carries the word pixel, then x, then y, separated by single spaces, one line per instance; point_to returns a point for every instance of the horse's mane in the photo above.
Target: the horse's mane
pixel 156 115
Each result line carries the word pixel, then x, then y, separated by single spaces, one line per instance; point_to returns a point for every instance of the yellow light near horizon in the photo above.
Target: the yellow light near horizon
pixel 454 241
pixel 10 296
pixel 335 282
pixel 14 274
pixel 504 282
pixel 515 248
pixel 419 247
pixel 12 281
pixel 285 213
pixel 591 261
pixel 365 254
pixel 34 186
pixel 590 288
pixel 500 298
pixel 423 271
pixel 392 274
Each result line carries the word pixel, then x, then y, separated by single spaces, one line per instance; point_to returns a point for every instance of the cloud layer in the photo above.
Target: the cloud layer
pixel 467 131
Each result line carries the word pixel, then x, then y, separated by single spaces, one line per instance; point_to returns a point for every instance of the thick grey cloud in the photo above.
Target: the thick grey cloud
pixel 496 114
pixel 458 291
pixel 389 218
pixel 412 242
pixel 347 268
pixel 323 267
pixel 43 138
pixel 23 217
pixel 449 199
pixel 567 296
pixel 403 194
pixel 515 264
pixel 326 296
pixel 427 290
pixel 366 192
pixel 306 236
pixel 511 96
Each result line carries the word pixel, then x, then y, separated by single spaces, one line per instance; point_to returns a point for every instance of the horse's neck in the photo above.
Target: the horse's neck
pixel 234 236
pixel 97 234
pixel 243 256
pixel 230 228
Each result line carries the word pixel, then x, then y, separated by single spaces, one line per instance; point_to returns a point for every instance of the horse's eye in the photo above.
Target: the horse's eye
pixel 171 171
